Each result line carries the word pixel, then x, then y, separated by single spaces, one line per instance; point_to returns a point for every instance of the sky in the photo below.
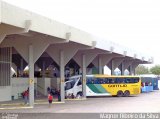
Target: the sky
pixel 132 23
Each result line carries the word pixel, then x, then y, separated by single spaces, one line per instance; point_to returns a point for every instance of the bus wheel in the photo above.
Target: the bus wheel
pixel 119 93
pixel 126 93
pixel 79 95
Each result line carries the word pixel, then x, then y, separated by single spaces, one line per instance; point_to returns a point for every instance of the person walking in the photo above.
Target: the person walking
pixel 50 99
pixel 26 97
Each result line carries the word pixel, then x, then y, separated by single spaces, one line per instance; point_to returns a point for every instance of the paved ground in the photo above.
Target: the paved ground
pixel 146 102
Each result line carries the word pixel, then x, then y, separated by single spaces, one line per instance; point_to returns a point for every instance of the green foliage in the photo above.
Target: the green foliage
pixel 155 70
pixel 141 69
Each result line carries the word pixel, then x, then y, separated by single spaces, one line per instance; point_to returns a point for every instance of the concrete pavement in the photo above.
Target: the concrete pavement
pixel 145 102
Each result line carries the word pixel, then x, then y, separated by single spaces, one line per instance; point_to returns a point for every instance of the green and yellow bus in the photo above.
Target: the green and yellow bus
pixel 101 85
pixel 104 85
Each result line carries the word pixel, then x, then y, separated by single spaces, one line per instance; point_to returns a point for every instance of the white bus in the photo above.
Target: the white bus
pixel 74 86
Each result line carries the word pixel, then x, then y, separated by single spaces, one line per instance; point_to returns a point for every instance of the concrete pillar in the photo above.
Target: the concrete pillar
pixel 127 63
pixel 10 64
pixel 112 67
pixel 115 63
pixel 43 69
pixel 62 74
pixel 134 71
pixel 122 68
pixel 31 76
pixel 100 65
pixel 21 67
pixel 84 75
pixel 133 67
pixel 131 72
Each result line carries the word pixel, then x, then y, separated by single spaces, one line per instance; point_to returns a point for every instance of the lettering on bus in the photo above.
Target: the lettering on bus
pixel 117 85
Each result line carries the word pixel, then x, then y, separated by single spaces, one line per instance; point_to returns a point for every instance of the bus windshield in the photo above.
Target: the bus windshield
pixel 69 84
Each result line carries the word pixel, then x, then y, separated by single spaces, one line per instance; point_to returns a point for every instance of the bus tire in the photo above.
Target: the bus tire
pixel 119 93
pixel 126 93
pixel 79 95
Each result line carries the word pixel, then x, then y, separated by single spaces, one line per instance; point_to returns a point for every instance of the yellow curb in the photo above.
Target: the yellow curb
pixel 11 108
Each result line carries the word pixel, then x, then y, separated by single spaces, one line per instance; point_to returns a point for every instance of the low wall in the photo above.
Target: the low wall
pixel 5 93
pixel 19 85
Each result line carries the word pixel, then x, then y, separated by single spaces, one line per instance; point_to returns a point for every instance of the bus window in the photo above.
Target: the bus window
pixel 102 81
pixel 126 80
pixel 136 80
pixel 98 81
pixel 89 80
pixel 131 80
pixel 116 80
pixel 68 86
pixel 110 80
pixel 105 80
pixel 119 80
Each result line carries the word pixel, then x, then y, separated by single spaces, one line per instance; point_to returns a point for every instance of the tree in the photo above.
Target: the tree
pixel 155 70
pixel 141 69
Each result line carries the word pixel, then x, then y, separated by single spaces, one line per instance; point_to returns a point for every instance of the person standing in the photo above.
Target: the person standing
pixel 50 99
pixel 59 96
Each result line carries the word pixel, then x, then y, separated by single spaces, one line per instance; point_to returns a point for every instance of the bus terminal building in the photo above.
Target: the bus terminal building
pixel 50 49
